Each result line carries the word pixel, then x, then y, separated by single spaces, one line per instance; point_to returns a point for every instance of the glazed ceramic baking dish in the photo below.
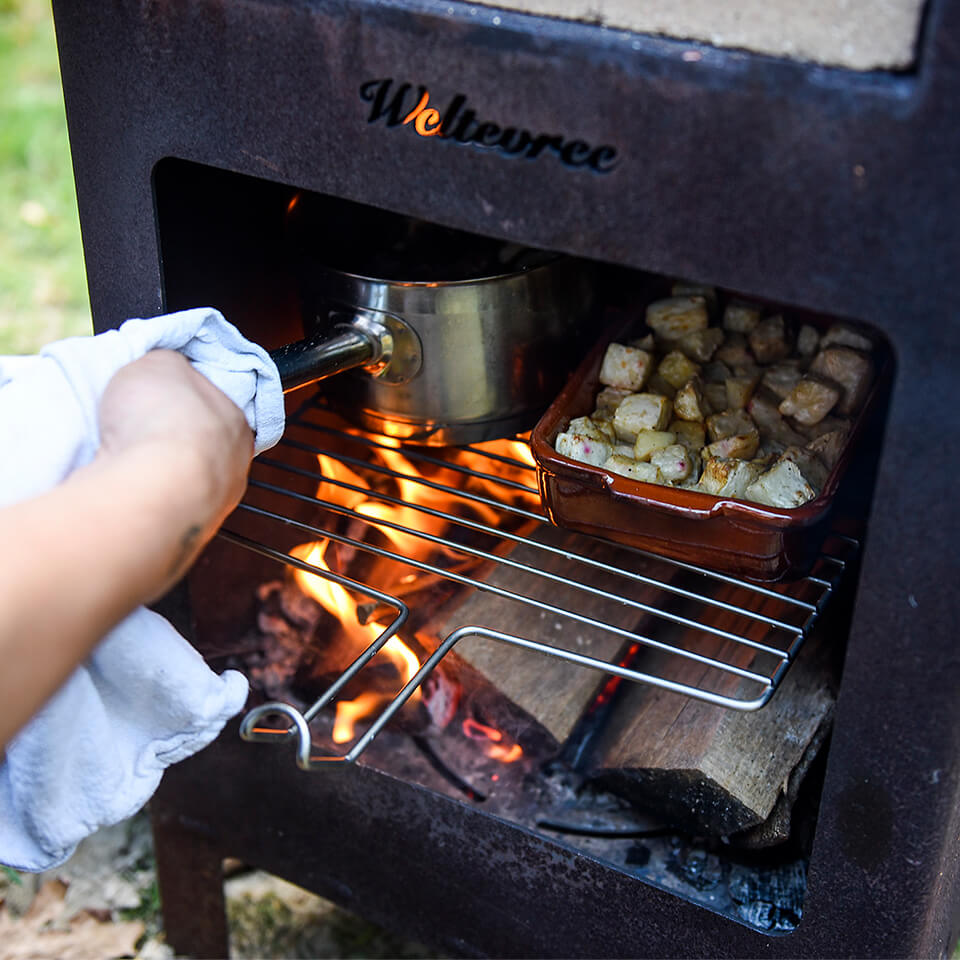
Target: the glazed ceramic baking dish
pixel 729 535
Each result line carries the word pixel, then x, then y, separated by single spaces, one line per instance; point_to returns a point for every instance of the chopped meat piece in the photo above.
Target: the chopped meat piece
pixel 700 345
pixel 673 462
pixel 688 403
pixel 769 342
pixel 729 424
pixel 740 317
pixel 673 317
pixel 740 389
pixel 782 378
pixel 742 446
pixel 626 368
pixel 829 446
pixel 676 368
pixel 586 449
pixel 727 478
pixel 628 467
pixel 783 485
pixel 641 411
pixel 650 441
pixel 690 433
pixel 807 340
pixel 849 368
pixel 844 335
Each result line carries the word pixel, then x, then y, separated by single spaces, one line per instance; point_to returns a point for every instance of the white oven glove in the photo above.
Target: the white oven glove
pixel 145 698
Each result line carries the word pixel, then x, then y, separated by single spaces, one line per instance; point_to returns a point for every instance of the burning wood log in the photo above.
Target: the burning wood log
pixel 550 692
pixel 710 769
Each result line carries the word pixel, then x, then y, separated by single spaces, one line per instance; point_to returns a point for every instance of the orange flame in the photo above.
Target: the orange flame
pixel 361 500
pixel 337 600
pixel 494 749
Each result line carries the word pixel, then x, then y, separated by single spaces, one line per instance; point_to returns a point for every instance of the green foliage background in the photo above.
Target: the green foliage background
pixel 43 291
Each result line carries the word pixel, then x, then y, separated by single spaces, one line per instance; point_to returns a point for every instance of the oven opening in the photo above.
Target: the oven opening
pixel 410 607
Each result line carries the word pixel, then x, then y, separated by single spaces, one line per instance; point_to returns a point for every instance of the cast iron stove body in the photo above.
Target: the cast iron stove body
pixel 818 187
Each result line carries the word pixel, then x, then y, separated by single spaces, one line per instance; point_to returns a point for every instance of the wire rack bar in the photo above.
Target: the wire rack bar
pixel 681 609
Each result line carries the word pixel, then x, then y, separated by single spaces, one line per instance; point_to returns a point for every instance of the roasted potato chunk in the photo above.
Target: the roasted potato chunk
pixel 608 399
pixel 673 317
pixel 769 342
pixel 628 467
pixel 783 485
pixel 729 424
pixel 690 433
pixel 740 317
pixel 585 448
pixel 810 400
pixel 649 442
pixel 676 368
pixel 844 335
pixel 700 345
pixel 673 462
pixel 685 288
pixel 716 372
pixel 808 340
pixel 814 470
pixel 641 411
pixel 688 403
pixel 625 368
pixel 739 390
pixel 727 478
pixel 849 368
pixel 734 351
pixel 742 446
pixel 829 446
pixel 781 379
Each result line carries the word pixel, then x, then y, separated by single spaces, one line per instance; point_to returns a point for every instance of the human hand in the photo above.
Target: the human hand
pixel 192 442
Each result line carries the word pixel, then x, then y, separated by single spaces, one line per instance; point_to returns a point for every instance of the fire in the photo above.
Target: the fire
pixel 352 490
pixel 337 600
pixel 495 748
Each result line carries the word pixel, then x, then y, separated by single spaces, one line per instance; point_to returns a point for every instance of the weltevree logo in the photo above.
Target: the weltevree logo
pixel 458 124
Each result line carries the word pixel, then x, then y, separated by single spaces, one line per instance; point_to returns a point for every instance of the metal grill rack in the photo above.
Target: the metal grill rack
pixel 737 639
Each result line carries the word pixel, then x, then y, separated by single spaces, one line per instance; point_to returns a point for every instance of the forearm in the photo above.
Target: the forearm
pixel 79 558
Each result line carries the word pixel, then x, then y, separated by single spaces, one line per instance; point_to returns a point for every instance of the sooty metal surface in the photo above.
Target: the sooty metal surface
pixel 807 185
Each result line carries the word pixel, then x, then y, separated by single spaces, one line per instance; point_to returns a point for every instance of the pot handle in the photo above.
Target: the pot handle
pixel 386 347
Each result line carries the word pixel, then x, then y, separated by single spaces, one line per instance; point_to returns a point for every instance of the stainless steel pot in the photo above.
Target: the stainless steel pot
pixel 443 362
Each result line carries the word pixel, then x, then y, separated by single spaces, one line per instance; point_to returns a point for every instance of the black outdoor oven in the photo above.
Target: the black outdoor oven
pixel 197 125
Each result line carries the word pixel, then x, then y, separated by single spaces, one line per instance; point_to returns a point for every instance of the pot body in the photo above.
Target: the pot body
pixel 494 351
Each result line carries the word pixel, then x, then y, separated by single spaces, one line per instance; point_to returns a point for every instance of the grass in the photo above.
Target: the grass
pixel 43 292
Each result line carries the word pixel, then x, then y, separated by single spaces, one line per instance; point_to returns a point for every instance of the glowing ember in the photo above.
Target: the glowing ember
pixel 495 748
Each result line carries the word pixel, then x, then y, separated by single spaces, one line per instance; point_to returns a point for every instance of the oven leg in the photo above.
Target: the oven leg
pixel 190 880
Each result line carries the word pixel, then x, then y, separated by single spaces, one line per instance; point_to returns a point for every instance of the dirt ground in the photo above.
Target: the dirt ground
pixel 103 903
